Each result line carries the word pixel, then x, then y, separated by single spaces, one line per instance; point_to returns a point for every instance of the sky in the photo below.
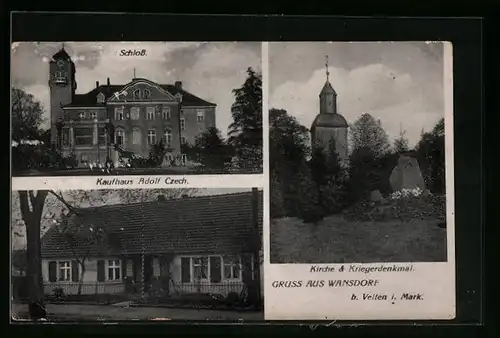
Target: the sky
pixel 52 205
pixel 208 70
pixel 400 83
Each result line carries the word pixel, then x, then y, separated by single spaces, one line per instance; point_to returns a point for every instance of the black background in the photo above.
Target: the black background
pixel 470 132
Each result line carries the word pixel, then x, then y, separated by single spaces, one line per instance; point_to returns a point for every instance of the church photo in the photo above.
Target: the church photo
pixel 357 152
pixel 83 108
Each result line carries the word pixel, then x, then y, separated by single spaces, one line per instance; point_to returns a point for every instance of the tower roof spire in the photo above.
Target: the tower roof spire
pixel 327 72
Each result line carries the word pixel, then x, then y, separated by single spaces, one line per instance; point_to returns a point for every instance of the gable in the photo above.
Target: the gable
pixel 142 90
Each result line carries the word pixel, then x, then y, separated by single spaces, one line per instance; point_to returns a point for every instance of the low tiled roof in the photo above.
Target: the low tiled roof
pixel 90 99
pixel 192 225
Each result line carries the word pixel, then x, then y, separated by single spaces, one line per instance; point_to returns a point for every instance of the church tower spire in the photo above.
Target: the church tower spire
pixel 327 96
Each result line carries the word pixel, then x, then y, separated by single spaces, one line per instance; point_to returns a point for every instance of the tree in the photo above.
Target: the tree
pixel 27 116
pixel 245 132
pixel 210 149
pixel 288 151
pixel 157 153
pixel 401 143
pixel 308 201
pixel 363 176
pixel 367 132
pixel 431 153
pixel 31 205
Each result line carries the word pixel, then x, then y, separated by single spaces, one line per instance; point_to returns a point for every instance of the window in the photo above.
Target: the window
pixel 232 267
pixel 200 268
pixel 169 158
pixel 166 113
pixel 60 77
pixel 183 123
pixel 150 115
pixel 210 268
pixel 151 137
pixel 102 135
pixel 200 115
pixel 81 115
pixel 183 159
pixel 65 271
pixel 120 137
pixel 137 94
pixel 134 113
pixel 114 268
pixel 93 115
pixel 183 140
pixel 147 94
pixel 119 114
pixel 84 136
pixel 100 98
pixel 136 136
pixel 65 136
pixel 167 139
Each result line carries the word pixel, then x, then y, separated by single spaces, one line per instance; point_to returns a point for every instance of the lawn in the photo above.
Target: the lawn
pixel 336 240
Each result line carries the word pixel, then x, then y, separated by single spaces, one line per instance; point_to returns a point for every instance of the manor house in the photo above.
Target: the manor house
pixel 132 116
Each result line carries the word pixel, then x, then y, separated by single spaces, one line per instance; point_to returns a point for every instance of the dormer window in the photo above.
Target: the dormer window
pixel 137 94
pixel 178 96
pixel 100 98
pixel 147 93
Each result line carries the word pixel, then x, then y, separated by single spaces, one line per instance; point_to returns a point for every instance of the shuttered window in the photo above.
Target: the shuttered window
pixel 100 271
pixel 215 269
pixel 186 269
pixel 74 271
pixel 53 271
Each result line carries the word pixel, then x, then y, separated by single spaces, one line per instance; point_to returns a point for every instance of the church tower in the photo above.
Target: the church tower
pixel 62 84
pixel 328 124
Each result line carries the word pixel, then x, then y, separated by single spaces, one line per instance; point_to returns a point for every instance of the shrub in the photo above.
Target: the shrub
pixel 58 294
pixel 232 298
pixel 403 206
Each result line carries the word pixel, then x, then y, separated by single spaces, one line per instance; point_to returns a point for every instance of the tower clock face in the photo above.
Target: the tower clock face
pixel 60 63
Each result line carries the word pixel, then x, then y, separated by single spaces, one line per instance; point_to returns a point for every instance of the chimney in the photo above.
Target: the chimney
pixel 97 84
pixel 109 83
pixel 178 84
pixel 161 198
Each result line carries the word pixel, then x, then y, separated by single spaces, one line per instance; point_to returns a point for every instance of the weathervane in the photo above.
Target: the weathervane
pixel 327 72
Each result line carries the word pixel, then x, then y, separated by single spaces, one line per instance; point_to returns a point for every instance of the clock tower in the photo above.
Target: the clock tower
pixel 62 84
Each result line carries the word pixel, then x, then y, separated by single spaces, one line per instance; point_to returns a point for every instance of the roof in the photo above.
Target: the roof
pixel 192 225
pixel 61 55
pixel 90 99
pixel 329 121
pixel 327 88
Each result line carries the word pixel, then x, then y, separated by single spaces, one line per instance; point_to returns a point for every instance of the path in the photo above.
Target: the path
pixel 107 312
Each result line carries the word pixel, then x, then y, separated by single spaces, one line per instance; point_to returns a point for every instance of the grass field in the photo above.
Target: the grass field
pixel 336 240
